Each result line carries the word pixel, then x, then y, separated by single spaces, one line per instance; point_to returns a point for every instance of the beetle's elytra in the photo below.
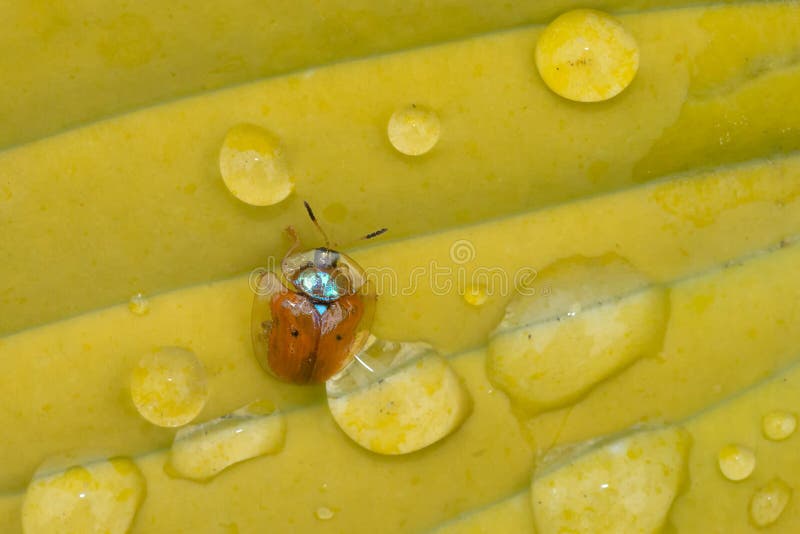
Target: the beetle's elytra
pixel 309 322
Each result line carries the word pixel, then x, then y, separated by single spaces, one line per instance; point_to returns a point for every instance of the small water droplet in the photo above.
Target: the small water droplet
pixel 414 130
pixel 779 425
pixel 139 305
pixel 202 451
pixel 476 295
pixel 769 501
pixel 324 513
pixel 587 56
pixel 736 462
pixel 254 167
pixel 98 497
pixel 168 386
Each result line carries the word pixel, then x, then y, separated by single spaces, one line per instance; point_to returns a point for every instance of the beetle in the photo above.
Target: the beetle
pixel 308 323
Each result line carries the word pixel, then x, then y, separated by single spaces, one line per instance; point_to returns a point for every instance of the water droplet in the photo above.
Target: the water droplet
pixel 139 305
pixel 626 485
pixel 601 315
pixel 168 386
pixel 587 56
pixel 202 451
pixel 779 425
pixel 324 513
pixel 769 501
pixel 414 130
pixel 736 462
pixel 254 167
pixel 98 497
pixel 476 295
pixel 396 398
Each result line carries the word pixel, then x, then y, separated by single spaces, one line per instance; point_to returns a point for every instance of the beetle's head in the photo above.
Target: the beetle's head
pixel 323 274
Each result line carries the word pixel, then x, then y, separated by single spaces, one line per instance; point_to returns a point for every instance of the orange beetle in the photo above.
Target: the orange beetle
pixel 308 326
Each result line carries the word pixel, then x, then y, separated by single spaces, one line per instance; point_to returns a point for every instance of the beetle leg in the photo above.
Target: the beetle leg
pixel 292 233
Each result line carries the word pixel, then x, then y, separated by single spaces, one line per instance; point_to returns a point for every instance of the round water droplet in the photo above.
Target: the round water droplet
pixel 414 130
pixel 476 295
pixel 396 398
pixel 324 513
pixel 769 501
pixel 736 462
pixel 587 56
pixel 168 386
pixel 254 167
pixel 139 305
pixel 99 497
pixel 779 425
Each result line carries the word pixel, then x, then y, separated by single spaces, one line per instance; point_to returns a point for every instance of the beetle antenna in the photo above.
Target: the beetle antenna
pixel 316 223
pixel 370 235
pixel 376 233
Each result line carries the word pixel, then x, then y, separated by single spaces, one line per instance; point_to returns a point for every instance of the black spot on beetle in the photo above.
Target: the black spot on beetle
pixel 338 337
pixel 294 333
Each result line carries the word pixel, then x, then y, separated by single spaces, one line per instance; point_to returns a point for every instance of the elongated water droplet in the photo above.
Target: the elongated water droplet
pixel 769 501
pixel 601 315
pixel 324 513
pixel 202 451
pixel 168 386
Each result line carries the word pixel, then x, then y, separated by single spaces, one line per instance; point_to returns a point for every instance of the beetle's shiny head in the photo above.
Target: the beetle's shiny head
pixel 323 274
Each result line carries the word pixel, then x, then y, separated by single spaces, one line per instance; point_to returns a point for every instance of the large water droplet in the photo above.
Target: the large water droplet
pixel 769 501
pixel 396 398
pixel 201 451
pixel 587 56
pixel 599 316
pixel 254 167
pixel 779 425
pixel 168 386
pixel 414 130
pixel 736 462
pixel 99 497
pixel 626 485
